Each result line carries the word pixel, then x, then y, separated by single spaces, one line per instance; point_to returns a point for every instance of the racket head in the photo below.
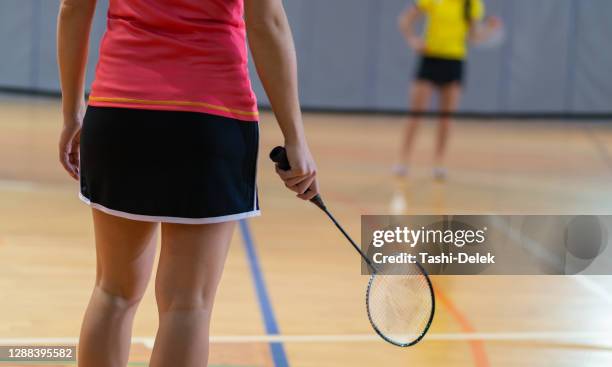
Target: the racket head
pixel 397 319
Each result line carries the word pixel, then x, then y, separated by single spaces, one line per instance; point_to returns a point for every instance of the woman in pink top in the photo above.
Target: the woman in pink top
pixel 170 135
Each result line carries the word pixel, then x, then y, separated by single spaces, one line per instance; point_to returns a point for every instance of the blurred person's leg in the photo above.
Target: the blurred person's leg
pixel 125 252
pixel 190 268
pixel 419 100
pixel 449 100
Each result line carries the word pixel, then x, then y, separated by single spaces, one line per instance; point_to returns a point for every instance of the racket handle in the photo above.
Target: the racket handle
pixel 278 155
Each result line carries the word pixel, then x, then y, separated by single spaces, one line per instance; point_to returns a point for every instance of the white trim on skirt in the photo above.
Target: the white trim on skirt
pixel 179 220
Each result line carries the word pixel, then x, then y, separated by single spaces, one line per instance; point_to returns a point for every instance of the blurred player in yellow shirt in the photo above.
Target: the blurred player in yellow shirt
pixel 451 24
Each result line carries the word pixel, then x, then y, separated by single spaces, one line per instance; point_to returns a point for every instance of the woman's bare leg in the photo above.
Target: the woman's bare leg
pixel 125 252
pixel 190 267
pixel 419 100
pixel 449 100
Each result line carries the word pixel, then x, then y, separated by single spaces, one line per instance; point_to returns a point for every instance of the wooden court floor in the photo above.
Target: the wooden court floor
pixel 292 293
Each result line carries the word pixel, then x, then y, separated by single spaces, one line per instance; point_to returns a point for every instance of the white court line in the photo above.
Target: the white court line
pixel 598 337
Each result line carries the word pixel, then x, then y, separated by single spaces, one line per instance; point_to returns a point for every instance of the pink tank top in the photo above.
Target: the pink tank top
pixel 184 55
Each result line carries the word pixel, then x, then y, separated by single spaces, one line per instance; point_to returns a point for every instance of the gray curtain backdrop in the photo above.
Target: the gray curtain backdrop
pixel 556 58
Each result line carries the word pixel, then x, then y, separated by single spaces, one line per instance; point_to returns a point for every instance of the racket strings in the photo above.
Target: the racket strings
pixel 400 306
pixel 401 301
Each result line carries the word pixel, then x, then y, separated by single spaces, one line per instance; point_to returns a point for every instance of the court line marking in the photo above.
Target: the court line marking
pixel 552 336
pixel 279 356
pixel 477 347
pixel 73 363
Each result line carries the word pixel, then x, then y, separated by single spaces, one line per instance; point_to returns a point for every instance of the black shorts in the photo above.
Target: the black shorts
pixel 440 71
pixel 169 166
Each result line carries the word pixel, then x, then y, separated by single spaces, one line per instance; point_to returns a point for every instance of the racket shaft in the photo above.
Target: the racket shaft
pixel 346 235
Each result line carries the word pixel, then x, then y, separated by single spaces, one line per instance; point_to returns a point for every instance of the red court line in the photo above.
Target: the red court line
pixel 477 346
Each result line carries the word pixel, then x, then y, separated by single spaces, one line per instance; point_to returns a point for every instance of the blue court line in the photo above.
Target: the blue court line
pixel 276 348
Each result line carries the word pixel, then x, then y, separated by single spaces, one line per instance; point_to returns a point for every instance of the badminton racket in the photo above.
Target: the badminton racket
pixel 400 301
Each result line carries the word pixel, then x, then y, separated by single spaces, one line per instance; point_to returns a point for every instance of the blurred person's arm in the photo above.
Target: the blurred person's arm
pixel 274 55
pixel 482 31
pixel 73 28
pixel 407 25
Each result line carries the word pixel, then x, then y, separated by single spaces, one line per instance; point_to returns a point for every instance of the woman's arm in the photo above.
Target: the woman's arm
pixel 274 55
pixel 73 28
pixel 406 23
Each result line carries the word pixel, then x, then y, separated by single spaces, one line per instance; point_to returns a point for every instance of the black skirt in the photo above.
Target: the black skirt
pixel 169 166
pixel 440 72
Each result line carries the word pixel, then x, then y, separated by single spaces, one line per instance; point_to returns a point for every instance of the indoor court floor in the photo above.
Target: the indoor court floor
pixel 292 293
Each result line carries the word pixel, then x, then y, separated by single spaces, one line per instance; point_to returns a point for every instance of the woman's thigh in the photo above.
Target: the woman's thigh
pixel 190 264
pixel 450 95
pixel 420 95
pixel 125 252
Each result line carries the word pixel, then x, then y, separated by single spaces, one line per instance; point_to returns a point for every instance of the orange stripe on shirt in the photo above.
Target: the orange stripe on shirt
pixel 173 103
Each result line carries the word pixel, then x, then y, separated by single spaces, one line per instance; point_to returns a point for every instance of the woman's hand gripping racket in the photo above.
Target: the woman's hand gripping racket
pixel 400 307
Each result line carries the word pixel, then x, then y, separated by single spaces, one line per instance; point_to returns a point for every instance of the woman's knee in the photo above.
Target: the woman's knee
pixel 177 297
pixel 120 296
pixel 123 289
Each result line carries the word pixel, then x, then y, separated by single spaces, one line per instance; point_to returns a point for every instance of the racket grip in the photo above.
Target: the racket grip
pixel 278 155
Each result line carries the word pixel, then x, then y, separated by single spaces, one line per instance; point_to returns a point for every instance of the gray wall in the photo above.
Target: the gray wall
pixel 556 58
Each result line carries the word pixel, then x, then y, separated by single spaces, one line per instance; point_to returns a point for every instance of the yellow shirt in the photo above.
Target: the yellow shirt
pixel 447 30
